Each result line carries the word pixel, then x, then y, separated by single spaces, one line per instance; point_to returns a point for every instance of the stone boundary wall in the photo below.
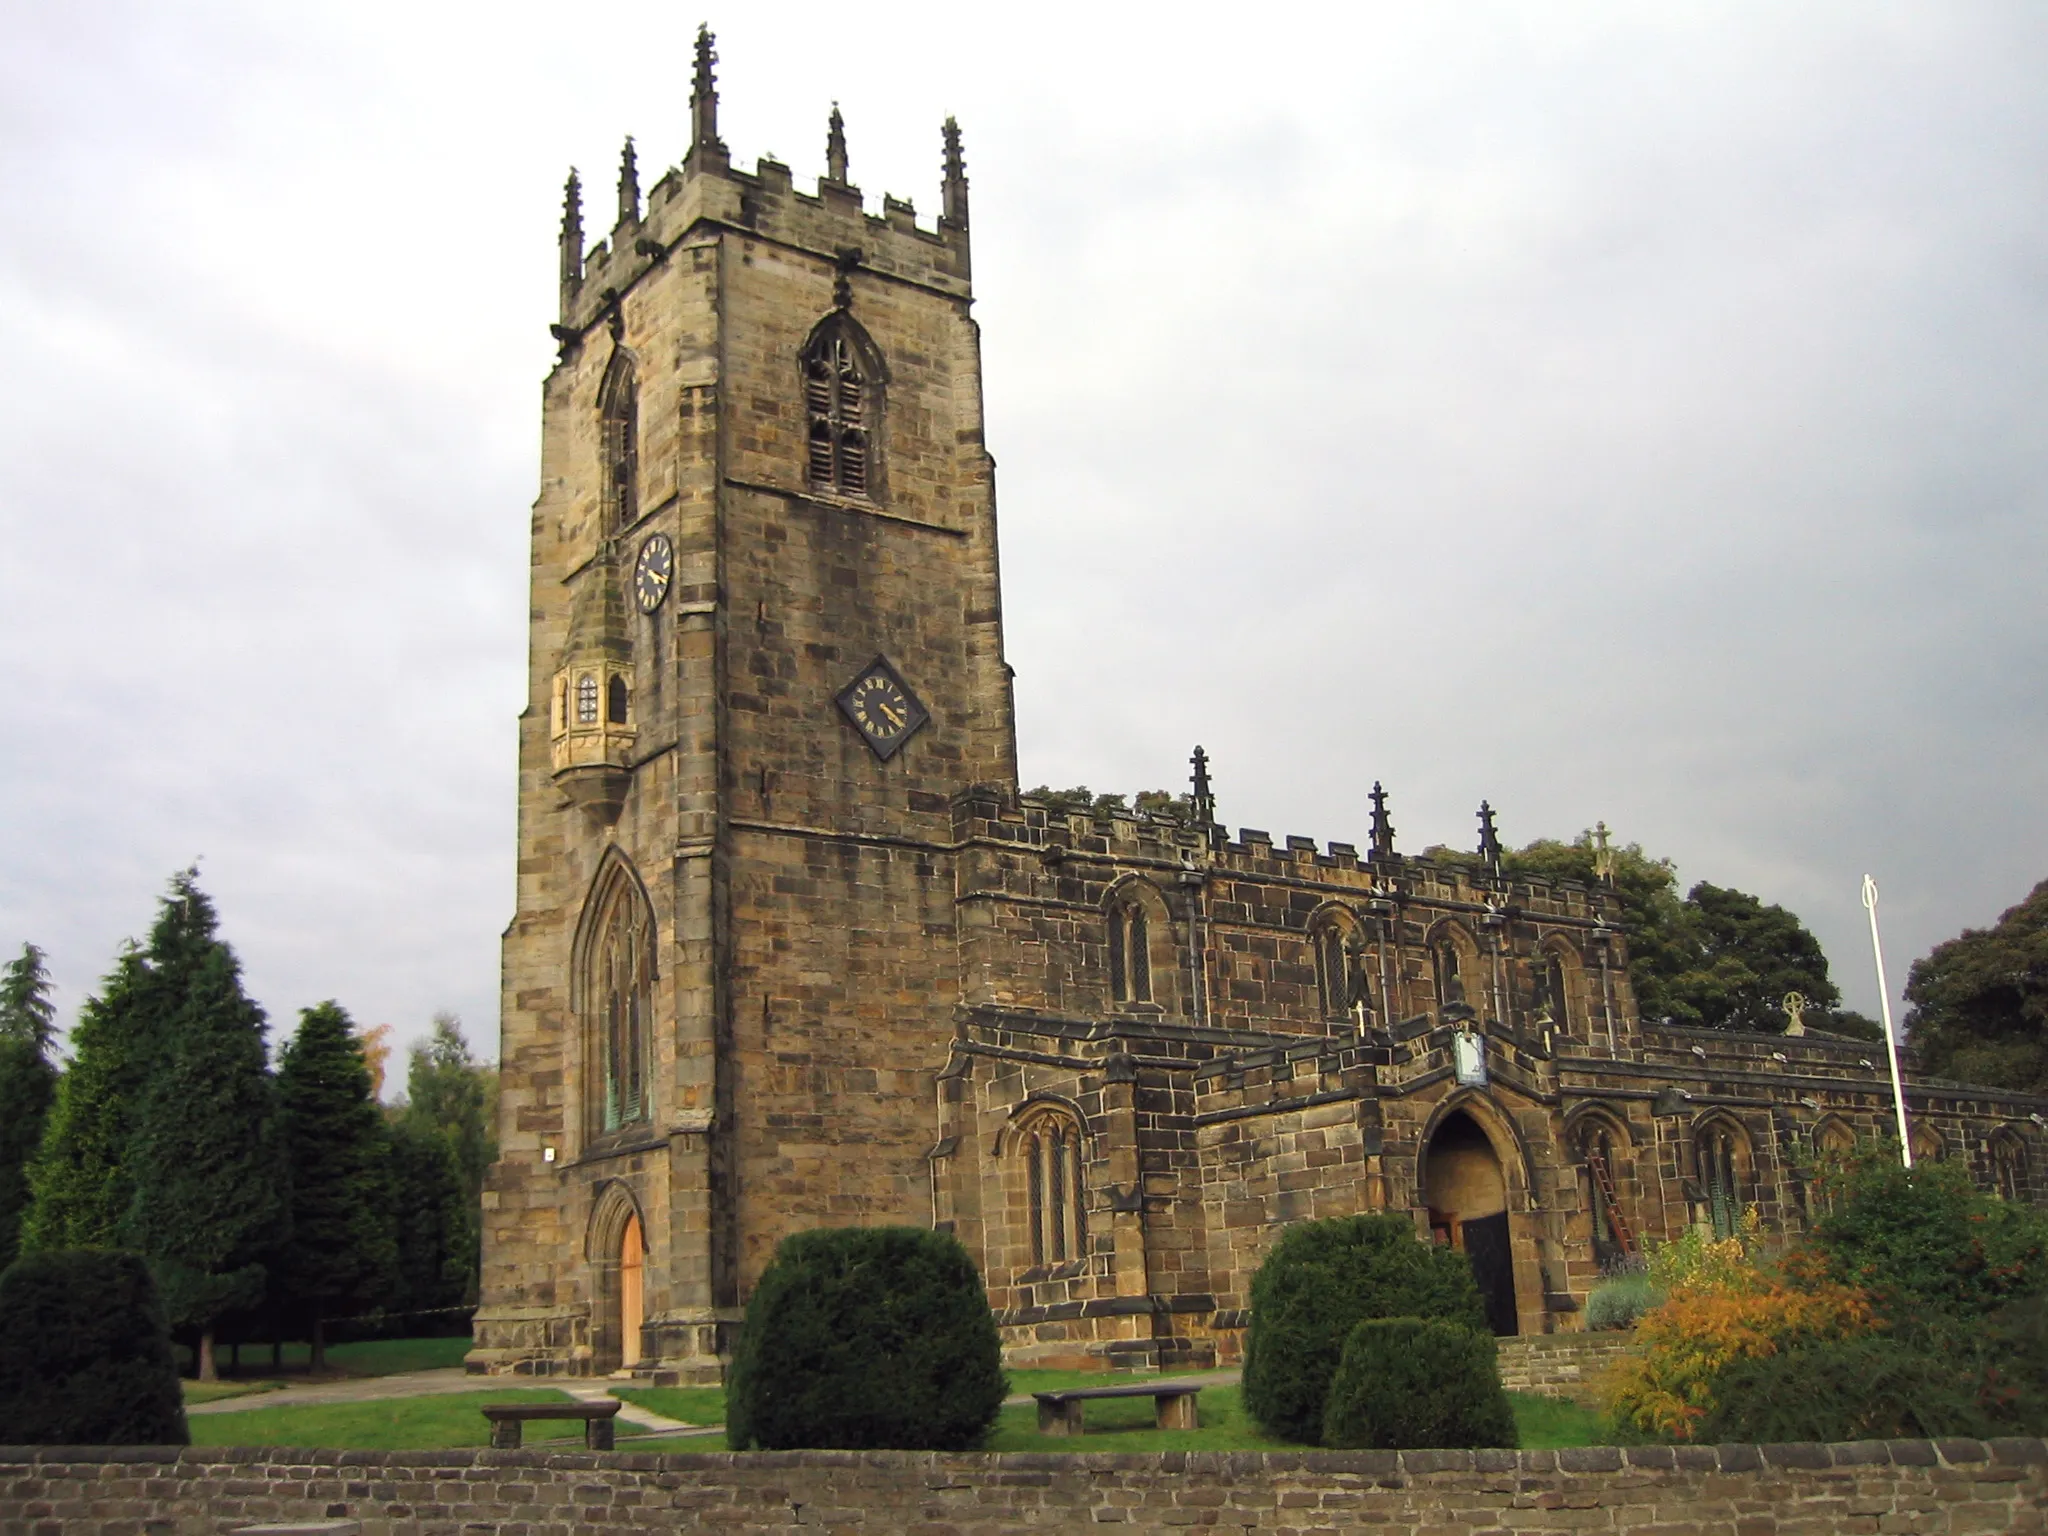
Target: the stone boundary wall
pixel 1941 1488
pixel 1561 1364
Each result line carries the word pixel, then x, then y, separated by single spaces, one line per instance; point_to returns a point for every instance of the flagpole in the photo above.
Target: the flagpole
pixel 1891 1038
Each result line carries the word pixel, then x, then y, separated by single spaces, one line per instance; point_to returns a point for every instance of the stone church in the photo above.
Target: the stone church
pixel 790 950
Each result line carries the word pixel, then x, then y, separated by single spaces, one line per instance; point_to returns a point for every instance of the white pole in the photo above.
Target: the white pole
pixel 1891 1038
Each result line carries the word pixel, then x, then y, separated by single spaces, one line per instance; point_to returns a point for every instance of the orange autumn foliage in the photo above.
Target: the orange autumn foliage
pixel 1743 1311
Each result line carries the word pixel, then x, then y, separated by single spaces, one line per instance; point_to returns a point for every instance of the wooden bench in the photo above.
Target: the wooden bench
pixel 1059 1413
pixel 508 1421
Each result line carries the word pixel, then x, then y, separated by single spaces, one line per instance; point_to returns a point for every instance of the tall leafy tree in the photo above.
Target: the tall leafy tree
pixel 452 1097
pixel 1979 1002
pixel 209 1192
pixel 341 1257
pixel 79 1181
pixel 447 1088
pixel 28 1085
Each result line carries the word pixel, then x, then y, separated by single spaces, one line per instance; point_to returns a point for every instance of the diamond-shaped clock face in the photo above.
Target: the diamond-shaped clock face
pixel 880 705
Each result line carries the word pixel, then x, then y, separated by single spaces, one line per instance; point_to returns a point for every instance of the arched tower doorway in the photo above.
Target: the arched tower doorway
pixel 1467 1192
pixel 632 1296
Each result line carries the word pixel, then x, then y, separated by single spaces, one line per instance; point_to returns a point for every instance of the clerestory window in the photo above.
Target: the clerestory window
pixel 1130 955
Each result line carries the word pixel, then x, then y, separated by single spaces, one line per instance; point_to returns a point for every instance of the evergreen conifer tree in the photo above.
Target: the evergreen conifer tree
pixel 452 1097
pixel 79 1182
pixel 341 1257
pixel 435 1224
pixel 208 1206
pixel 28 1085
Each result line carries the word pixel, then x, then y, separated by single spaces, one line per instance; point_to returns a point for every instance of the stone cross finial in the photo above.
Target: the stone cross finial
pixel 629 184
pixel 954 208
pixel 1382 828
pixel 835 146
pixel 572 231
pixel 704 98
pixel 1489 839
pixel 1603 856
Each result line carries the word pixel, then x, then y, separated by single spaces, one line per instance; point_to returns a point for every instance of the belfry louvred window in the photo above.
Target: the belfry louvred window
pixel 618 403
pixel 842 407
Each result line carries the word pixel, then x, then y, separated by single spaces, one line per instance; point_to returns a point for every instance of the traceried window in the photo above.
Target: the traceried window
pixel 1051 1148
pixel 842 407
pixel 619 997
pixel 618 404
pixel 586 699
pixel 615 700
pixel 1612 1236
pixel 1130 954
pixel 1721 1176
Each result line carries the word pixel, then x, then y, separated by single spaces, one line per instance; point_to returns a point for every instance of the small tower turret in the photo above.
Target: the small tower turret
pixel 591 717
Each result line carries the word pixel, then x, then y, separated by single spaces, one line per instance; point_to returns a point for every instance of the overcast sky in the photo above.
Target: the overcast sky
pixel 1626 412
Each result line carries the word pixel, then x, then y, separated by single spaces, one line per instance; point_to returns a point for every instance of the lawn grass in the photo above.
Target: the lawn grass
pixel 1552 1423
pixel 692 1405
pixel 443 1422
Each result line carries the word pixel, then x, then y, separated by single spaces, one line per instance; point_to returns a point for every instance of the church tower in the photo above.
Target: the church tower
pixel 765 653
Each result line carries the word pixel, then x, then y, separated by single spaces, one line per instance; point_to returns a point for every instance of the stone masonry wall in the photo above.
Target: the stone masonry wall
pixel 1561 1364
pixel 1943 1488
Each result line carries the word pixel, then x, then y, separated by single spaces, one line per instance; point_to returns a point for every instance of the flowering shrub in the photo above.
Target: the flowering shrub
pixel 1727 1306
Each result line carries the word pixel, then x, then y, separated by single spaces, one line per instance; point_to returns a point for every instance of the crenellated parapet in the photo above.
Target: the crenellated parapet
pixel 831 223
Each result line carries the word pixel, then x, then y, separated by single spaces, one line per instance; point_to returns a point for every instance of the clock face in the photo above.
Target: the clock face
pixel 652 572
pixel 880 705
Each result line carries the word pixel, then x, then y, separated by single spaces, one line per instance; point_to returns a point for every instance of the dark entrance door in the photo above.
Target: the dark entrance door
pixel 1486 1245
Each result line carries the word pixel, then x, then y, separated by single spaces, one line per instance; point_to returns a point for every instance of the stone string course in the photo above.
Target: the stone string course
pixel 1936 1487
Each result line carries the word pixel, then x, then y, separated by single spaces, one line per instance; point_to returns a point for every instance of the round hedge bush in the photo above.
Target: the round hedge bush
pixel 866 1338
pixel 1618 1302
pixel 1324 1278
pixel 1411 1383
pixel 85 1358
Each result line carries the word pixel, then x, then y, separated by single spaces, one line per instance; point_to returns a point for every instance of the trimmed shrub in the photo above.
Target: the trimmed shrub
pixel 866 1338
pixel 1324 1278
pixel 1409 1383
pixel 1618 1302
pixel 85 1358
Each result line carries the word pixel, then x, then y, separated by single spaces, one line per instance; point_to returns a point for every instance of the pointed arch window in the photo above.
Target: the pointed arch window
pixel 618 404
pixel 1050 1145
pixel 1720 1165
pixel 1130 954
pixel 1600 1150
pixel 1340 984
pixel 1555 979
pixel 1450 980
pixel 2008 1167
pixel 843 378
pixel 619 1004
pixel 616 700
pixel 586 699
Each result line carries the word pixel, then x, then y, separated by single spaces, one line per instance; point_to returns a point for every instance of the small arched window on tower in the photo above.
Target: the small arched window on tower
pixel 586 699
pixel 1333 972
pixel 1130 954
pixel 1050 1143
pixel 1557 992
pixel 618 405
pixel 616 700
pixel 843 379
pixel 1720 1163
